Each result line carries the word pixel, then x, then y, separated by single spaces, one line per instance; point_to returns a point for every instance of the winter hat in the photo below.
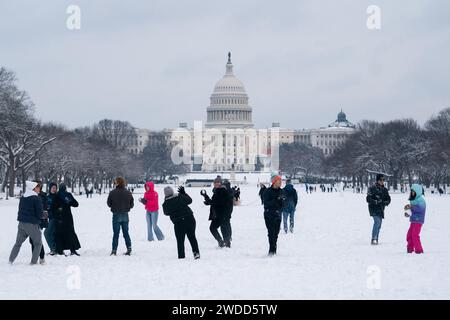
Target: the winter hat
pixel 380 176
pixel 275 179
pixel 218 179
pixel 168 191
pixel 30 185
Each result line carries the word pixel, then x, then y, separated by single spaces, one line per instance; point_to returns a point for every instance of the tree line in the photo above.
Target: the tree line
pixel 402 149
pixel 81 157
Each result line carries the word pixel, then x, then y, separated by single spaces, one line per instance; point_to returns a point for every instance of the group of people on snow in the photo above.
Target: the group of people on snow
pixel 378 199
pixel 52 212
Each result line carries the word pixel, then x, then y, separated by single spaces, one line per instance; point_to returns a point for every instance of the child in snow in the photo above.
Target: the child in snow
pixel 417 206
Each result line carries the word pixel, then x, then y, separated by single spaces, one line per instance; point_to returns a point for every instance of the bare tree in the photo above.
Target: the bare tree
pixel 21 136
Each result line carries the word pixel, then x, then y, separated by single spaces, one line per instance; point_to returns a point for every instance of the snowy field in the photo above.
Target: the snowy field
pixel 328 256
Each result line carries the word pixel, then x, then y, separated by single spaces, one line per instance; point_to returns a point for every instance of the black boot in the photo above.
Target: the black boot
pixel 374 242
pixel 221 244
pixel 113 253
pixel 197 255
pixel 74 253
pixel 128 253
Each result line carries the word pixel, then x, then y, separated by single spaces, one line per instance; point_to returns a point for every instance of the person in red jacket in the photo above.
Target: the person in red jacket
pixel 150 201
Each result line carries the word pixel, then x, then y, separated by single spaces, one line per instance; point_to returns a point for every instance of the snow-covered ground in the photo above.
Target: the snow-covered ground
pixel 328 256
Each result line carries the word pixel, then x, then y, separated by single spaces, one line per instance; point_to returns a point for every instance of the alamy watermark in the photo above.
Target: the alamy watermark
pixel 374 277
pixel 222 148
pixel 73 21
pixel 374 19
pixel 73 281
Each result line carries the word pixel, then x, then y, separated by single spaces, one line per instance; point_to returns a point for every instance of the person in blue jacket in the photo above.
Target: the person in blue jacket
pixel 29 217
pixel 289 206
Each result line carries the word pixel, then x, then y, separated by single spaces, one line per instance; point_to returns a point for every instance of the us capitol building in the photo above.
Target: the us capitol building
pixel 228 140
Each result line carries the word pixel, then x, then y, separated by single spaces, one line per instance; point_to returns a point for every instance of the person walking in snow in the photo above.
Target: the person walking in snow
pixel 218 212
pixel 29 217
pixel 378 199
pixel 289 206
pixel 121 201
pixel 150 201
pixel 176 206
pixel 417 206
pixel 273 205
pixel 65 236
pixel 49 232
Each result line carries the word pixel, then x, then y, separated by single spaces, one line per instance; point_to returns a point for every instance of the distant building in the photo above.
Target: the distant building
pixel 228 141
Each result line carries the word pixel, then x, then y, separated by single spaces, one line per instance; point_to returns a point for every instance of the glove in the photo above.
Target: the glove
pixel 143 201
pixel 181 190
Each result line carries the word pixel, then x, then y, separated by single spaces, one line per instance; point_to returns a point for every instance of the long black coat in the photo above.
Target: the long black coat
pixel 65 236
pixel 220 204
pixel 230 204
pixel 377 198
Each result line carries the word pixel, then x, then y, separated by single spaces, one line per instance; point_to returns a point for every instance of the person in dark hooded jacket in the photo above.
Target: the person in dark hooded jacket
pixel 225 228
pixel 49 232
pixel 289 206
pixel 65 236
pixel 378 199
pixel 176 206
pixel 219 212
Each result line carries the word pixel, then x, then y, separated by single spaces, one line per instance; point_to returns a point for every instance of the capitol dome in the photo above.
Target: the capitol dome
pixel 229 106
pixel 342 122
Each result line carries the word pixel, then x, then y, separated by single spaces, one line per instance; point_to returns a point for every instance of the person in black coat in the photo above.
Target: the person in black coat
pixel 378 199
pixel 261 192
pixel 273 206
pixel 219 212
pixel 176 206
pixel 225 227
pixel 289 206
pixel 49 232
pixel 65 236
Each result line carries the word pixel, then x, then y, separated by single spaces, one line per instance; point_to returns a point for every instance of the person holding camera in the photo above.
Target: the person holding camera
pixel 378 199
pixel 176 206
pixel 274 199
pixel 219 212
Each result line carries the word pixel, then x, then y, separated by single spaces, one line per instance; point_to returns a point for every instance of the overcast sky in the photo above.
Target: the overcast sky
pixel 155 63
